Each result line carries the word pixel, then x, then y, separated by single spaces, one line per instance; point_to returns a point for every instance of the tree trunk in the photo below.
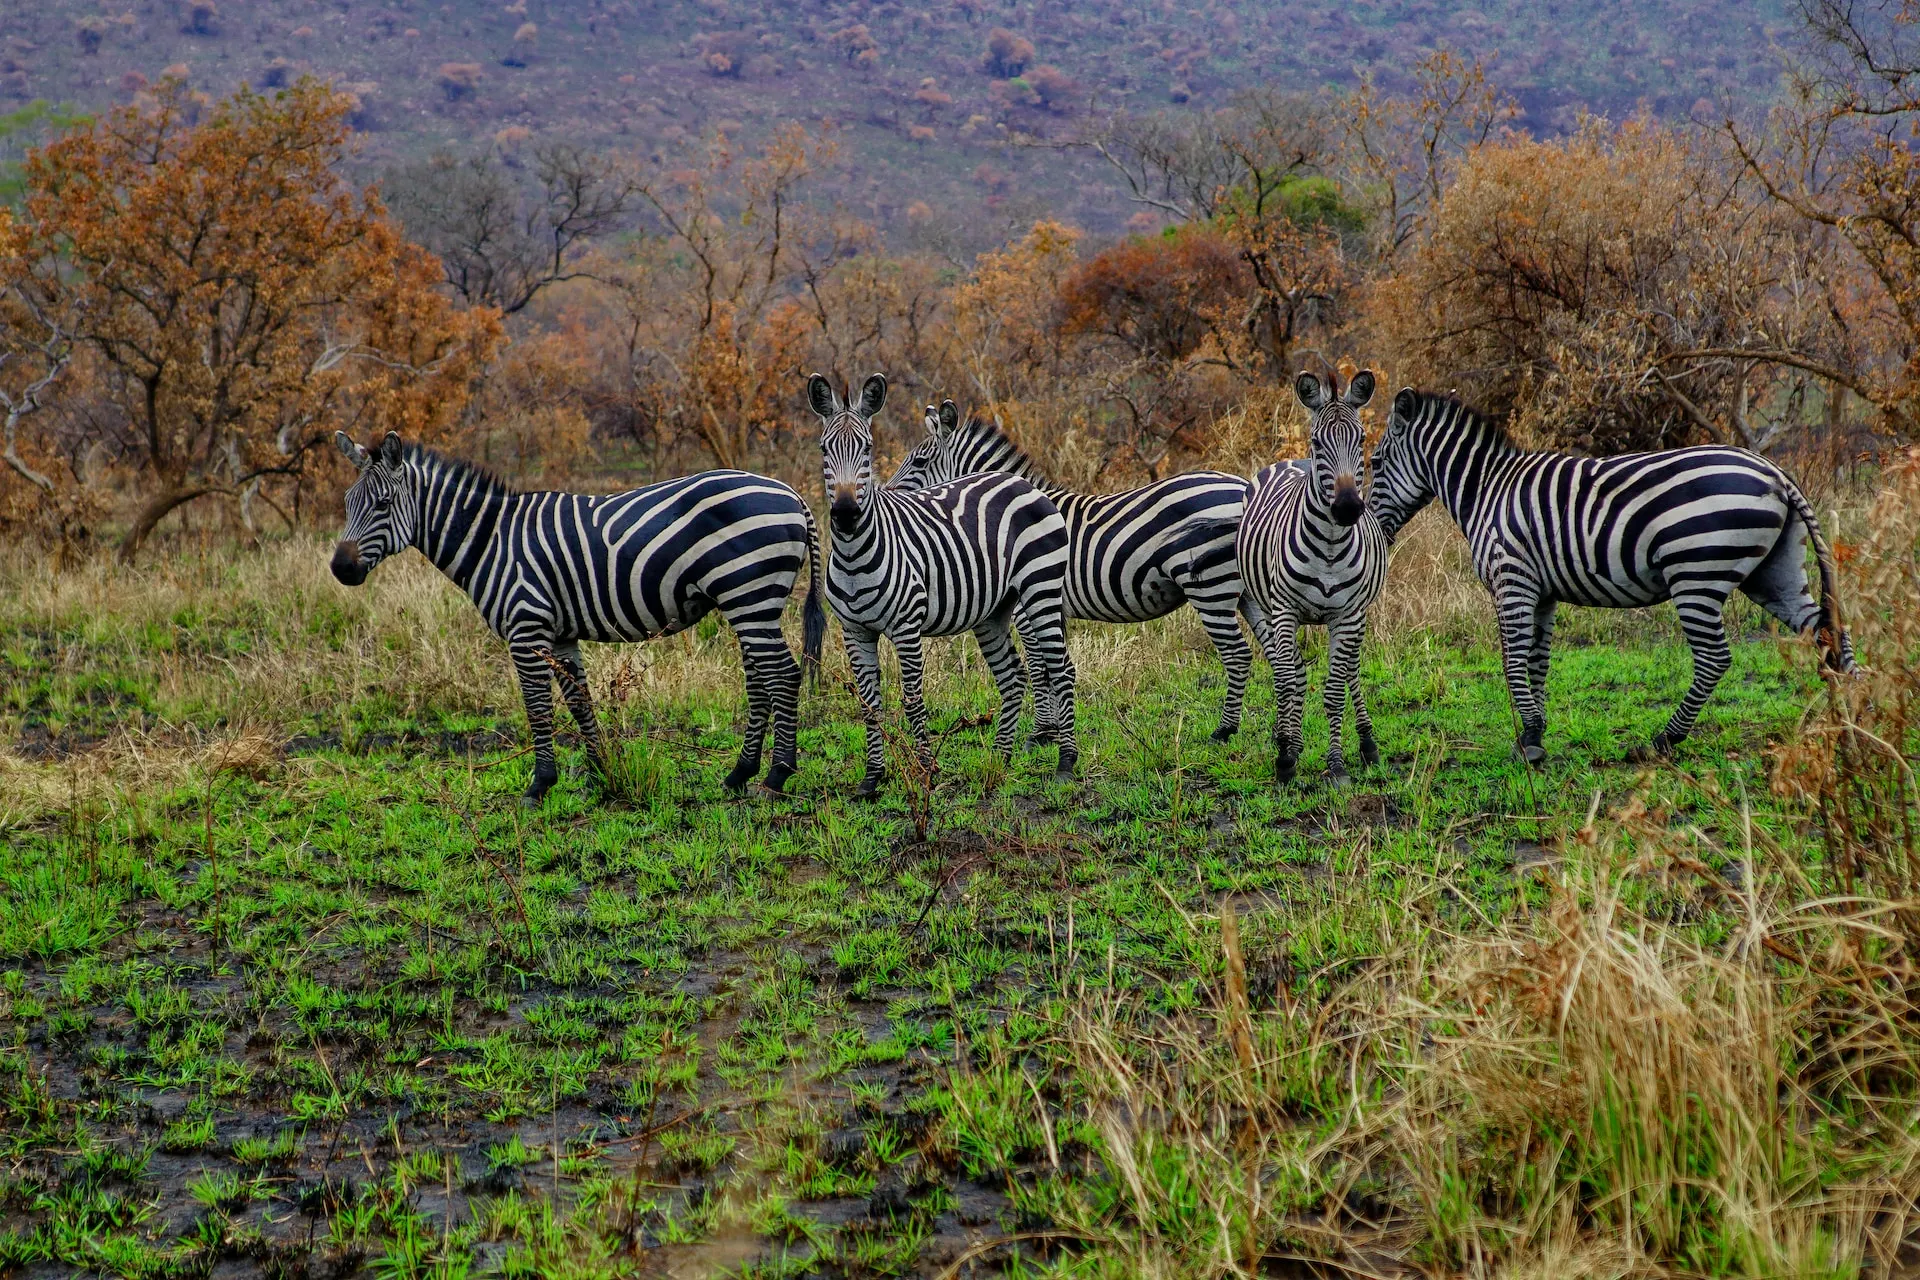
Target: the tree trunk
pixel 156 510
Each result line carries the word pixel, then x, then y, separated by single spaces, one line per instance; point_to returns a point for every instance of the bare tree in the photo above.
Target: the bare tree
pixel 502 238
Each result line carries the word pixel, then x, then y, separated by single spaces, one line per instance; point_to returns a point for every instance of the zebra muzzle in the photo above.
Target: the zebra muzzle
pixel 346 564
pixel 845 510
pixel 1347 502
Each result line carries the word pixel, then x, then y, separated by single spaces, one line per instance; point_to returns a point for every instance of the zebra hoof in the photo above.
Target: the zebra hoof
pixel 868 790
pixel 742 774
pixel 1338 778
pixel 1069 764
pixel 1369 753
pixel 1283 768
pixel 1225 733
pixel 776 779
pixel 538 788
pixel 1531 752
pixel 1653 753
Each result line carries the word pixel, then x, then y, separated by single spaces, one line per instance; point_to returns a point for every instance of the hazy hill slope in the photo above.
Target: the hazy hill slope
pixel 647 73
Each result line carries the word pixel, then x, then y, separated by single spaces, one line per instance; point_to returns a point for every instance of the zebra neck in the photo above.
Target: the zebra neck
pixel 1471 470
pixel 460 509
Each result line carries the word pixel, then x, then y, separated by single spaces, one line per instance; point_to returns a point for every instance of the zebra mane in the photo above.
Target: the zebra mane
pixel 985 433
pixel 483 478
pixel 1436 404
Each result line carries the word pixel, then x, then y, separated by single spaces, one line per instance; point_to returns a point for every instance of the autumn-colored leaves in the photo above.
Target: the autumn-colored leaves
pixel 227 301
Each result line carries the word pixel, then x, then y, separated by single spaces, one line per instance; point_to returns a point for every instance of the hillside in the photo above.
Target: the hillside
pixel 922 101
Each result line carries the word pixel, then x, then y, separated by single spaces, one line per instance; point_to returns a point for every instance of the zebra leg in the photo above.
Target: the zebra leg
pixel 1050 636
pixel 1223 628
pixel 780 675
pixel 1289 691
pixel 906 646
pixel 1706 632
pixel 573 687
pixel 1369 750
pixel 1518 607
pixel 863 655
pixel 1044 712
pixel 1343 658
pixel 536 690
pixel 1540 658
pixel 758 709
pixel 996 646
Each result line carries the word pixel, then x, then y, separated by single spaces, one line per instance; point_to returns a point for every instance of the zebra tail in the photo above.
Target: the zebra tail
pixel 813 614
pixel 1832 631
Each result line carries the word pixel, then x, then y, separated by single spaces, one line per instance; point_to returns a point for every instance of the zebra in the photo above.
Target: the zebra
pixel 1687 525
pixel 548 570
pixel 1313 553
pixel 962 556
pixel 1133 556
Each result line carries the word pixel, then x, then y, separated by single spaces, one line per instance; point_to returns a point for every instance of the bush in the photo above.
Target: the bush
pixel 1007 54
pixel 1567 283
pixel 459 80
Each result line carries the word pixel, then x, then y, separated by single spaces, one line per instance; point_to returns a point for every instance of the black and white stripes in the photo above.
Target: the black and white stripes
pixel 1687 525
pixel 1311 552
pixel 1135 555
pixel 548 570
pixel 967 555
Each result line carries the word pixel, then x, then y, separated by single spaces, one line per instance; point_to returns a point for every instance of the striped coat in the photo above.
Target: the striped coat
pixel 1313 554
pixel 548 570
pixel 962 556
pixel 1135 555
pixel 1686 525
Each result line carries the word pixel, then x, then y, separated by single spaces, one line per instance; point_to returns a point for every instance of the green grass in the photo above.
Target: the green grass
pixel 354 1007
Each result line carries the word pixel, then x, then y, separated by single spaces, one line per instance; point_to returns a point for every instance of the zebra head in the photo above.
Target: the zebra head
pixel 381 508
pixel 1402 482
pixel 846 445
pixel 1337 440
pixel 928 462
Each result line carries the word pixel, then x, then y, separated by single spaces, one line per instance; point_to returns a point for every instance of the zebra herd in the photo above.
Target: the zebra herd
pixel 968 536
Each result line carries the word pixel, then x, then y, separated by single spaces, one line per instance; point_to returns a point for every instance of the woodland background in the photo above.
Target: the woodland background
pixel 518 257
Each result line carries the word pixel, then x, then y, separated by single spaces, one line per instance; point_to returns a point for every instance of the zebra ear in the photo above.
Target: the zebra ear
pixel 350 451
pixel 1311 393
pixel 391 449
pixel 873 395
pixel 820 395
pixel 949 416
pixel 1360 390
pixel 1406 404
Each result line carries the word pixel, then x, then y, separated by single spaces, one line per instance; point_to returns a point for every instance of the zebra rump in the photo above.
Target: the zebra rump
pixel 1687 525
pixel 548 570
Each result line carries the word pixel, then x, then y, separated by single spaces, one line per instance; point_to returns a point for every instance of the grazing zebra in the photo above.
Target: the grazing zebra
pixel 1687 525
pixel 1312 553
pixel 1133 556
pixel 962 556
pixel 548 570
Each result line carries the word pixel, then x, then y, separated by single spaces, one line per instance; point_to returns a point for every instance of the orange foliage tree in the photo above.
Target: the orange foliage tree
pixel 1612 290
pixel 236 299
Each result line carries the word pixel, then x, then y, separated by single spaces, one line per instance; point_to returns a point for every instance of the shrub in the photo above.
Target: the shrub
pixel 1054 88
pixel 89 32
pixel 458 80
pixel 1159 295
pixel 1007 53
pixel 1568 283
